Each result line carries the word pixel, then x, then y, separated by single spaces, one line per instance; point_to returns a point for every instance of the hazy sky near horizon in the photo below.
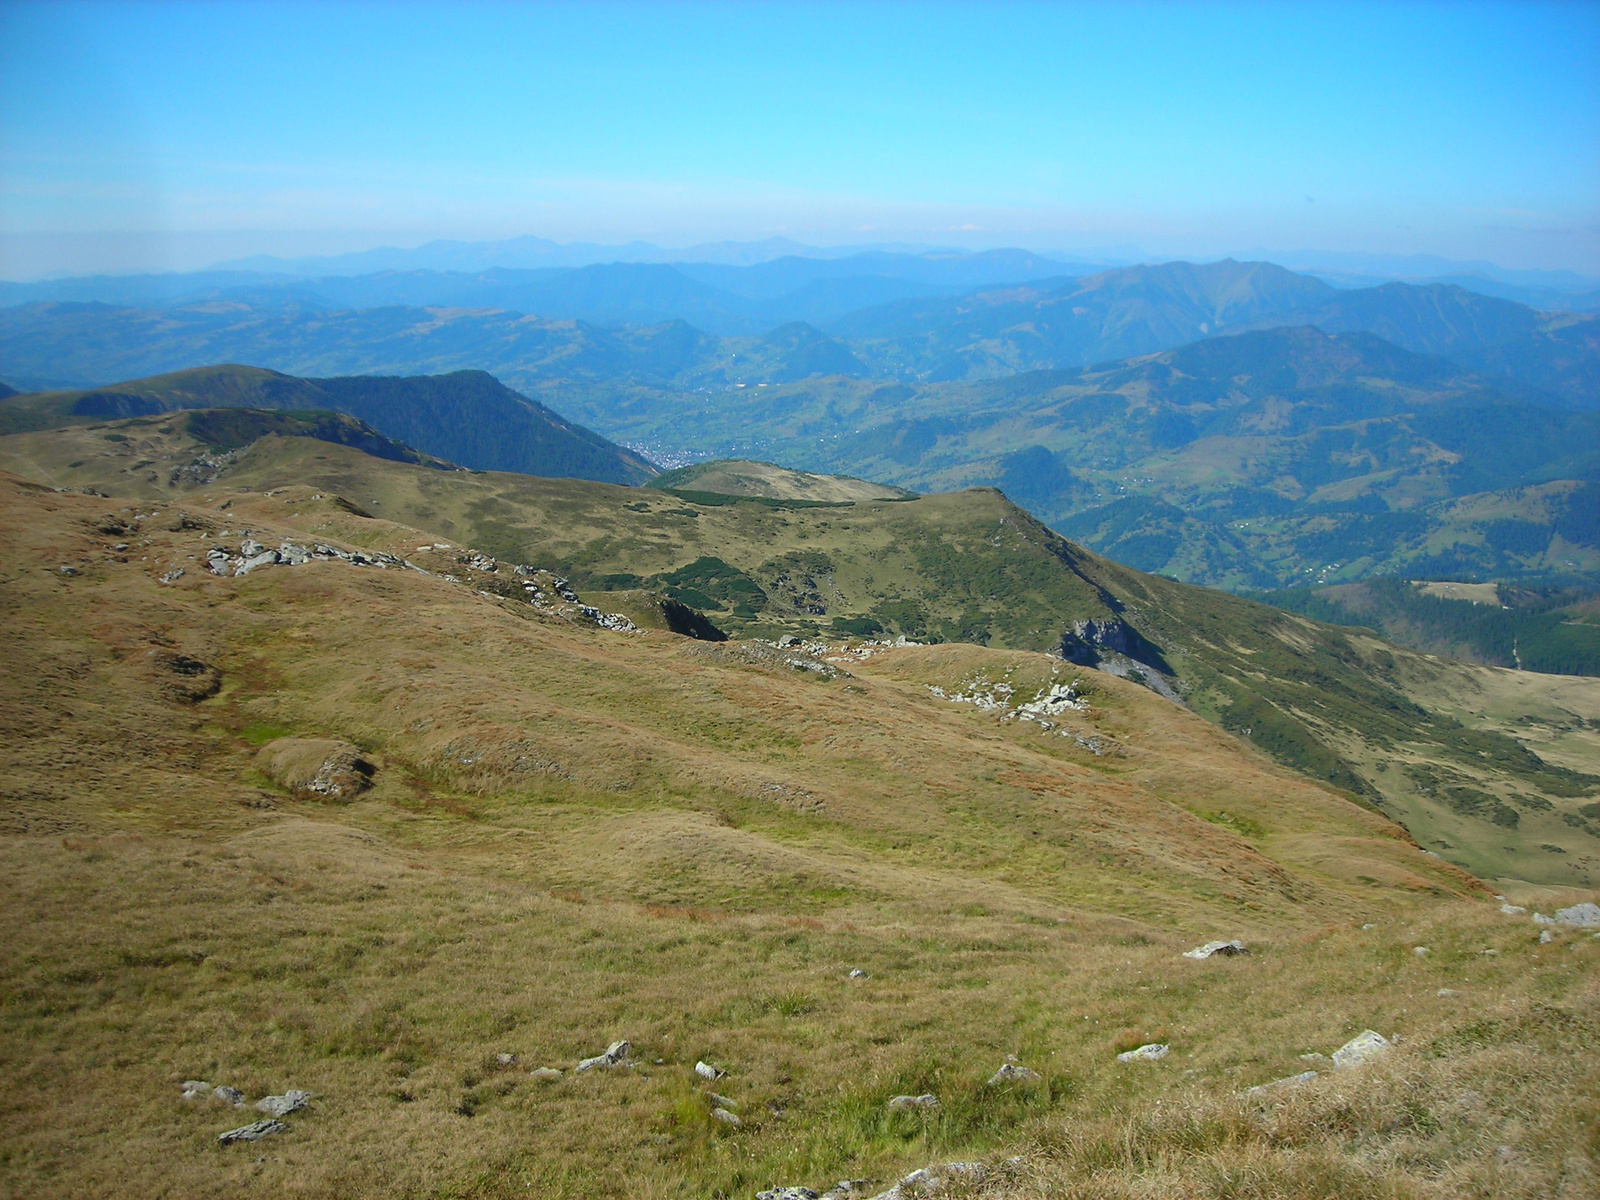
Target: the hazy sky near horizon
pixel 170 135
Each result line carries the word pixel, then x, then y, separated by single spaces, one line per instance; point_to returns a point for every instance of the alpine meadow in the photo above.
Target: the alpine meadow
pixel 800 602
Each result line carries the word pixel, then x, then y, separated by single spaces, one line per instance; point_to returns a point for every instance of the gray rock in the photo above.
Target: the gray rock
pixel 250 547
pixel 926 1100
pixel 1546 937
pixel 845 1189
pixel 1362 1048
pixel 706 1071
pixel 1512 910
pixel 614 1054
pixel 253 1132
pixel 788 1193
pixel 291 1101
pixel 929 1181
pixel 1446 992
pixel 856 973
pixel 1212 948
pixel 232 1095
pixel 1581 916
pixel 1280 1084
pixel 264 559
pixel 505 1060
pixel 721 1100
pixel 198 1086
pixel 1150 1052
pixel 293 555
pixel 1011 1073
pixel 726 1117
pixel 1420 951
pixel 547 1074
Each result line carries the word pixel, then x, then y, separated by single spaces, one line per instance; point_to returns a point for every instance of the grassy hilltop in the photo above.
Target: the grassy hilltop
pixel 575 835
pixel 1494 769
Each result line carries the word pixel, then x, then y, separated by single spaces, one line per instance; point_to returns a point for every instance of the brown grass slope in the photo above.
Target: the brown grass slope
pixel 1496 770
pixel 744 477
pixel 576 835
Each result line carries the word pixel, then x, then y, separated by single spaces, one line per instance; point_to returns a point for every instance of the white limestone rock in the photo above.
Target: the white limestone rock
pixel 1150 1052
pixel 1363 1048
pixel 1580 916
pixel 1227 949
pixel 291 1101
pixel 1011 1073
pixel 614 1055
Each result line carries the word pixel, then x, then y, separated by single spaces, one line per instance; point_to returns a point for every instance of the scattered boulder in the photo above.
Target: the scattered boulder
pixel 195 1089
pixel 1512 910
pixel 316 767
pixel 253 1132
pixel 228 1095
pixel 1363 1048
pixel 1279 1084
pixel 1443 993
pixel 1546 937
pixel 1420 951
pixel 1151 1052
pixel 727 1118
pixel 706 1071
pixel 291 1101
pixel 788 1193
pixel 506 1060
pixel 615 1053
pixel 926 1100
pixel 856 973
pixel 929 1181
pixel 1011 1073
pixel 1213 948
pixel 1581 916
pixel 722 1100
pixel 546 1074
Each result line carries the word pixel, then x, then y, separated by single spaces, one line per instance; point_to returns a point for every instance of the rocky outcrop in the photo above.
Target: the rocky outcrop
pixel 316 767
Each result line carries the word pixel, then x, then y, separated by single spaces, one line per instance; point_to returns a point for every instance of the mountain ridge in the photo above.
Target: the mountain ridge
pixel 467 417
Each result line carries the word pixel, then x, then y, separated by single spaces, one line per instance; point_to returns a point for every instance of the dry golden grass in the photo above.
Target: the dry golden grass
pixel 577 836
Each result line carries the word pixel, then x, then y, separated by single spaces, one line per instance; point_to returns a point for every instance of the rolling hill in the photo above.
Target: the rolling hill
pixel 1531 629
pixel 385 821
pixel 468 416
pixel 734 477
pixel 1259 459
pixel 1434 744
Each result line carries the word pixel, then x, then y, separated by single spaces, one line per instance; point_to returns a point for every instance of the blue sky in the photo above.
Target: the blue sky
pixel 174 134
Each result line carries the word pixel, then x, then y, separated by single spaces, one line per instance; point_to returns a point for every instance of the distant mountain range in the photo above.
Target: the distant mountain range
pixel 1235 424
pixel 627 322
pixel 468 417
